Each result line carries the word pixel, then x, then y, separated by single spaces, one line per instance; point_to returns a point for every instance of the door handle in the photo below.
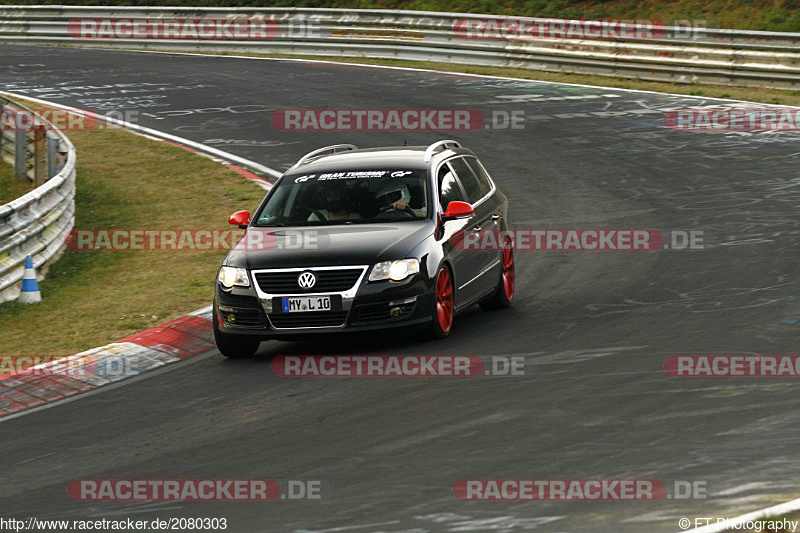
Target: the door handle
pixel 495 217
pixel 476 228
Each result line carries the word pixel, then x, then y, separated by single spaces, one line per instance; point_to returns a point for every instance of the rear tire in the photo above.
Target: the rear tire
pixel 234 346
pixel 443 310
pixel 504 294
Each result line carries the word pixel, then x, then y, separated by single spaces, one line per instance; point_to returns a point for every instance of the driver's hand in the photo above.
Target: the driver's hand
pixel 400 205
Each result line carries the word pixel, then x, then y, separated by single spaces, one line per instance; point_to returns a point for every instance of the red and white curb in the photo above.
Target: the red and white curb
pixel 144 351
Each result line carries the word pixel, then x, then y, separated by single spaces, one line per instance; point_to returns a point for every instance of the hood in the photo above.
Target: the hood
pixel 349 244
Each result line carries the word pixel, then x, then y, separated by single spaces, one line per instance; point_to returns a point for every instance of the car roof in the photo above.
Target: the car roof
pixel 406 157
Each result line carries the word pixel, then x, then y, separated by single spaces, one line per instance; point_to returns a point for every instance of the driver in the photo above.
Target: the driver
pixel 335 206
pixel 394 194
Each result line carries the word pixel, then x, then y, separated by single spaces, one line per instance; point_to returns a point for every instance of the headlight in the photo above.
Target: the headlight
pixel 394 270
pixel 230 276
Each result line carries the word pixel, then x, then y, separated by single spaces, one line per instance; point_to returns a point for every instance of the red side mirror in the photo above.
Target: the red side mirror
pixel 456 209
pixel 240 218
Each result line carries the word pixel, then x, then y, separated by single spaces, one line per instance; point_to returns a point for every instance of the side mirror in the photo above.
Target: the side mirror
pixel 240 218
pixel 457 210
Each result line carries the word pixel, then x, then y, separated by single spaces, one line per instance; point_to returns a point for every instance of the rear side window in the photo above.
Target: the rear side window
pixel 449 189
pixel 474 188
pixel 483 178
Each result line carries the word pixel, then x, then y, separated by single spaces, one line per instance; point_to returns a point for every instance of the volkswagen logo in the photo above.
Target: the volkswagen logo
pixel 306 280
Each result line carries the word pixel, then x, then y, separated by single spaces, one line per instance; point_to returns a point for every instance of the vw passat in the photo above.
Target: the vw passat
pixel 354 240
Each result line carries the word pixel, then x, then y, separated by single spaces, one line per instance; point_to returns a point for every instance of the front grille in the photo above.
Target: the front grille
pixel 337 280
pixel 381 312
pixel 308 320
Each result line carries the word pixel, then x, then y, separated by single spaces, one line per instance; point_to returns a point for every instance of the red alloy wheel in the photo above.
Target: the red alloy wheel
pixel 444 300
pixel 508 270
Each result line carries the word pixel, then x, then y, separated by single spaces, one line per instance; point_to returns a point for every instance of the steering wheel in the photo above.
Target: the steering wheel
pixel 406 210
pixel 318 214
pixel 313 211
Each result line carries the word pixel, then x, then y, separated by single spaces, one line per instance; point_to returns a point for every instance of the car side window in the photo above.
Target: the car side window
pixel 449 189
pixel 483 178
pixel 473 187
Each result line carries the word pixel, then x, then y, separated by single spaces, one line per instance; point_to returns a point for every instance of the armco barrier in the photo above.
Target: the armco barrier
pixel 38 223
pixel 715 56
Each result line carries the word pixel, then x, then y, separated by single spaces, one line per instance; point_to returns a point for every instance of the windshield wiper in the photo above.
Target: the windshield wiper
pixel 272 225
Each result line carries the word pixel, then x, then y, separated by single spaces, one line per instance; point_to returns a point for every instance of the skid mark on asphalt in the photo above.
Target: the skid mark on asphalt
pixel 708 299
pixel 455 522
pixel 448 430
pixel 450 522
pixel 574 356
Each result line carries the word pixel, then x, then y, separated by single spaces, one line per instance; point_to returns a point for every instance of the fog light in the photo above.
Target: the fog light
pixel 231 318
pixel 396 312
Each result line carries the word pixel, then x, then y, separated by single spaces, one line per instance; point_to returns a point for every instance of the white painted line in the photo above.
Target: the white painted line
pixel 155 133
pixel 774 511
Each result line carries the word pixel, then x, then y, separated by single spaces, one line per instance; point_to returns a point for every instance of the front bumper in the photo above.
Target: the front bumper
pixel 367 306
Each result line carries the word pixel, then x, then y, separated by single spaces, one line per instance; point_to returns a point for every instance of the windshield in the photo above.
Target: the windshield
pixel 347 197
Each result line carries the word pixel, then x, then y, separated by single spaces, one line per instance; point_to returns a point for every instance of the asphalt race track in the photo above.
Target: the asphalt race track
pixel 594 327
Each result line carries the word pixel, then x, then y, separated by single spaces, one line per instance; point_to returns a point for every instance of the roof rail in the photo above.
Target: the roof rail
pixel 432 148
pixel 333 149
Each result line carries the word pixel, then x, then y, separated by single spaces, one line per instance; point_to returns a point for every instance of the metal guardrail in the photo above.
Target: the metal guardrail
pixel 714 56
pixel 38 223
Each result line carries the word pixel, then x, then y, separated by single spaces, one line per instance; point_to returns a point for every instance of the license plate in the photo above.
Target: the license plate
pixel 306 304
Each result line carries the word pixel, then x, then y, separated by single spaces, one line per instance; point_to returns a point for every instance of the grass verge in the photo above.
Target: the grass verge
pixel 92 298
pixel 10 187
pixel 752 94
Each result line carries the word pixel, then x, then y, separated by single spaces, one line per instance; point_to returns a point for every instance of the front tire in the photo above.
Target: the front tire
pixel 234 346
pixel 504 294
pixel 443 304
